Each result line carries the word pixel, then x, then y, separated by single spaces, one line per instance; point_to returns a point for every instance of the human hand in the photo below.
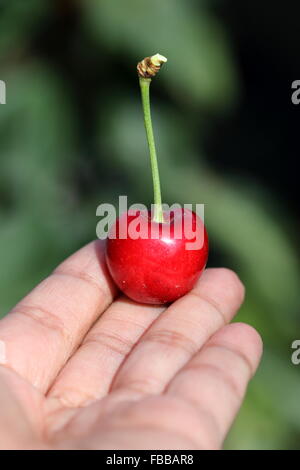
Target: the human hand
pixel 81 371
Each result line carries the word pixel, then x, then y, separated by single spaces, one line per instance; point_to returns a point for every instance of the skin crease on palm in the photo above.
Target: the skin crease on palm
pixel 84 368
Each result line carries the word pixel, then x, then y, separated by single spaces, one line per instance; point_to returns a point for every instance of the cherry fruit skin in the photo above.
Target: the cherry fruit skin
pixel 157 270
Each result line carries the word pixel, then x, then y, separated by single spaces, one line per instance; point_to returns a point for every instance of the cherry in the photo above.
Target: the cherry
pixel 157 270
pixel 156 257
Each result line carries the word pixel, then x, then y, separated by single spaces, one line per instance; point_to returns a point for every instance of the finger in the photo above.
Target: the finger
pixel 89 372
pixel 15 429
pixel 180 332
pixel 41 332
pixel 215 380
pixel 29 400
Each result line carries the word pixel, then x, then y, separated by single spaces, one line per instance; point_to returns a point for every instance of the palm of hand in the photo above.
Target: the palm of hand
pixel 81 371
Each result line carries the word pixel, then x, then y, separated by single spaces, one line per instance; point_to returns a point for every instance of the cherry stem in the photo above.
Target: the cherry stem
pixel 147 69
pixel 145 89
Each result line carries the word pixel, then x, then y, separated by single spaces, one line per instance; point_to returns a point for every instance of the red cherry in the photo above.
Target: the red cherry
pixel 162 269
pixel 156 258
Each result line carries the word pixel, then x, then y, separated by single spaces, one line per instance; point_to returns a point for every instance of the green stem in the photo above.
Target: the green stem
pixel 145 88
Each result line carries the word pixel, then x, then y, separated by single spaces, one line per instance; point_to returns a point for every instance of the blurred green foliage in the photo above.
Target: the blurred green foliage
pixel 71 137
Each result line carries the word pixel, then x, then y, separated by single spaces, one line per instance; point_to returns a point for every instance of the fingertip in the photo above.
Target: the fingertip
pixel 223 288
pixel 228 277
pixel 244 339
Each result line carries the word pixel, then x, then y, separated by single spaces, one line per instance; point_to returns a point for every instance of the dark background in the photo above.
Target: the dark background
pixel 72 137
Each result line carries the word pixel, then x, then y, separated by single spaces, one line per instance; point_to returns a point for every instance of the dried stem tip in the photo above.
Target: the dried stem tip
pixel 149 66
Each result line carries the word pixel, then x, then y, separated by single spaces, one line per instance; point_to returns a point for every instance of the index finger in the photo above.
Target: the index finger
pixel 38 336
